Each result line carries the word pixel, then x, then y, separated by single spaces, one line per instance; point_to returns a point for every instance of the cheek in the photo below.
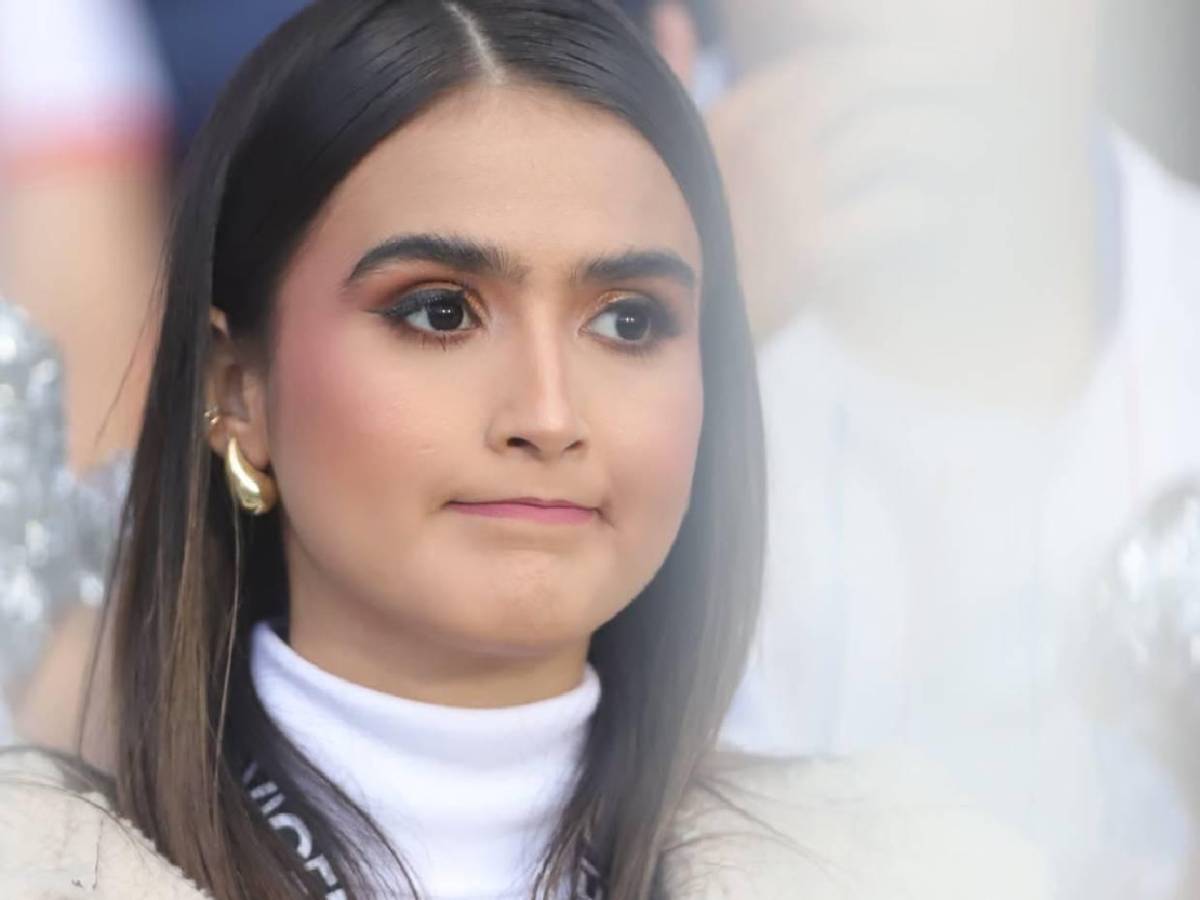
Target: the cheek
pixel 652 436
pixel 351 429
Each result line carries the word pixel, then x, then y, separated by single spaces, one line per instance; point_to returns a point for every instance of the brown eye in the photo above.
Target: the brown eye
pixel 446 315
pixel 626 321
pixel 438 310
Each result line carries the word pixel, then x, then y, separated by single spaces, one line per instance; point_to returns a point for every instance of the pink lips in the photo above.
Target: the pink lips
pixel 551 512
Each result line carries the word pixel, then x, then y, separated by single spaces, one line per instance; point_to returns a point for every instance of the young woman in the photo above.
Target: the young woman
pixel 443 543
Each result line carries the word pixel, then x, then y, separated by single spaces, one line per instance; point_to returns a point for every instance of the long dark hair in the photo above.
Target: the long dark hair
pixel 193 576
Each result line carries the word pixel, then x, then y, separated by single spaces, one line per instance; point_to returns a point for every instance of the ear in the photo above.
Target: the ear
pixel 236 389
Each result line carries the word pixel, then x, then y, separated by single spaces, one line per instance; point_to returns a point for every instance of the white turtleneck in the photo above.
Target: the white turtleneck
pixel 468 797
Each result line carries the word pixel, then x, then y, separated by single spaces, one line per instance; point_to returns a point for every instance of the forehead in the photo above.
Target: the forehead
pixel 527 169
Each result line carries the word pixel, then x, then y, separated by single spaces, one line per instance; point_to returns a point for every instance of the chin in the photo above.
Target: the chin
pixel 532 612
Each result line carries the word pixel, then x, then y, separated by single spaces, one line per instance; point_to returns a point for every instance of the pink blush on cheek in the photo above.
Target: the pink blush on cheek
pixel 330 367
pixel 333 410
pixel 365 429
pixel 654 453
pixel 312 379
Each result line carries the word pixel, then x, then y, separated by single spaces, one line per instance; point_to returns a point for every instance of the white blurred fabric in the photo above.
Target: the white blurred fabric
pixel 74 68
pixel 927 567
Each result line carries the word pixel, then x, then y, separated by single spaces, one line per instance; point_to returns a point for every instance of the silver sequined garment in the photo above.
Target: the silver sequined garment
pixel 1149 611
pixel 56 531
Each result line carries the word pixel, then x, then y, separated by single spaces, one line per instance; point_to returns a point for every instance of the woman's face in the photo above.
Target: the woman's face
pixel 484 397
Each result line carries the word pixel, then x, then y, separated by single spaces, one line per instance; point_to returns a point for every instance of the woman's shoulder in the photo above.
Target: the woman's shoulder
pixel 60 838
pixel 869 829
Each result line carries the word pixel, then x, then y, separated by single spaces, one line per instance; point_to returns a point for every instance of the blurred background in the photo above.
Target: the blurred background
pixel 970 242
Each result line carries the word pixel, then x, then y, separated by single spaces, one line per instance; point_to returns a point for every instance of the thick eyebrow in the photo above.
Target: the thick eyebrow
pixel 473 257
pixel 639 264
pixel 461 254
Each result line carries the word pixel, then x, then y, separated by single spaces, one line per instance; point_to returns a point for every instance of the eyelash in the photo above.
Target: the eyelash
pixel 420 300
pixel 664 324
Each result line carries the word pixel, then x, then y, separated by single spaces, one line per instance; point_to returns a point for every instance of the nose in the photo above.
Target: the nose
pixel 537 413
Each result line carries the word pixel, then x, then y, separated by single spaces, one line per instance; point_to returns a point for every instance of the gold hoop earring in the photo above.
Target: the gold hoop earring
pixel 253 490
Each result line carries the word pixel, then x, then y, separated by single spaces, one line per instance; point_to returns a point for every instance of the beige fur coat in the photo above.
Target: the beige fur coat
pixel 858 831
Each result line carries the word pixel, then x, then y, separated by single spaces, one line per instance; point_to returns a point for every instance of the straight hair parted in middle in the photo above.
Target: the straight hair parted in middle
pixel 192 578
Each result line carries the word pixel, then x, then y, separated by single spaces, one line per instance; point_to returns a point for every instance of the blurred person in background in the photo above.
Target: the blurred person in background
pixel 980 346
pixel 83 121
